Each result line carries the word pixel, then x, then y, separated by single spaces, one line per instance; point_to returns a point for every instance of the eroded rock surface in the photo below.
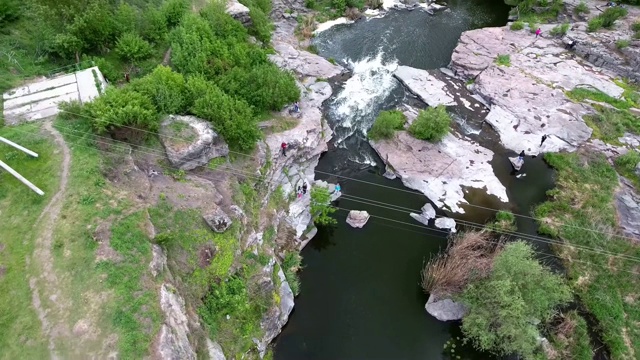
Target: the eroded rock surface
pixel 628 208
pixel 218 220
pixel 190 142
pixel 173 340
pixel 441 170
pixel 159 260
pixel 527 98
pixel 425 85
pixel 445 309
pixel 215 350
pixel 239 12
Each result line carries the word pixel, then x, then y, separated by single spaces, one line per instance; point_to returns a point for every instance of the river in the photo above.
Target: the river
pixel 360 288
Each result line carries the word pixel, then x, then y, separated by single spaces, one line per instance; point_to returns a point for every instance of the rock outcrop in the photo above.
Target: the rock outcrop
pixel 446 223
pixel 190 142
pixel 441 170
pixel 425 85
pixel 357 219
pixel 218 220
pixel 428 213
pixel 628 207
pixel 173 340
pixel 277 316
pixel 517 162
pixel 445 309
pixel 215 351
pixel 527 97
pixel 239 12
pixel 158 261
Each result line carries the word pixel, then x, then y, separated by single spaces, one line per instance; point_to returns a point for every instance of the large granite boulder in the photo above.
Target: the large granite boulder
pixel 445 309
pixel 239 12
pixel 218 220
pixel 357 219
pixel 190 142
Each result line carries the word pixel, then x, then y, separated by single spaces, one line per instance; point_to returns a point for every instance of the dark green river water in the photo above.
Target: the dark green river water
pixel 360 288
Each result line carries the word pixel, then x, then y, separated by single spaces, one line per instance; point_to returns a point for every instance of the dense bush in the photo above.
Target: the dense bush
pixel 261 26
pixel 503 60
pixel 230 116
pixel 173 11
pixel 122 107
pixel 386 124
pixel 166 89
pixel 607 18
pixel 628 162
pixel 518 25
pixel 582 8
pixel 10 10
pixel 126 19
pixel 154 26
pixel 623 43
pixel 560 30
pixel 132 47
pixel 432 124
pixel 321 208
pixel 505 306
pixel 594 24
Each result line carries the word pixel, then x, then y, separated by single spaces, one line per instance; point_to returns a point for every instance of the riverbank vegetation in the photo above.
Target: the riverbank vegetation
pixel 432 124
pixel 386 124
pixel 598 261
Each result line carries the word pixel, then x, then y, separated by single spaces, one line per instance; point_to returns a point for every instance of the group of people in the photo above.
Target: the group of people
pixel 302 190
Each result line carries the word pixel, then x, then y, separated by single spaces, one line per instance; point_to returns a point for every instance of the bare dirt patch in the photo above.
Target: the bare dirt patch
pixel 206 255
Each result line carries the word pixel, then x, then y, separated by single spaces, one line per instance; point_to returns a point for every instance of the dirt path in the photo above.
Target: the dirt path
pixel 45 285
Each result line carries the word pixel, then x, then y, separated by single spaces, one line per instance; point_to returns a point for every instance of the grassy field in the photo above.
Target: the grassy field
pixel 581 214
pixel 19 209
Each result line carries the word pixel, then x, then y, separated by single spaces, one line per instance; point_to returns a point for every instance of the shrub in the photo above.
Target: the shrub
pixel 628 162
pixel 310 4
pixel 122 107
pixel 560 30
pixel 518 25
pixel 635 26
pixel 431 124
pixel 321 208
pixel 532 27
pixel 595 24
pixel 166 89
pixel 290 267
pixel 126 19
pixel 611 14
pixel 386 124
pixel 10 10
pixel 261 26
pixel 153 26
pixel 173 11
pixel 582 8
pixel 623 43
pixel 132 47
pixel 503 60
pixel 339 5
pixel 231 117
pixel 504 306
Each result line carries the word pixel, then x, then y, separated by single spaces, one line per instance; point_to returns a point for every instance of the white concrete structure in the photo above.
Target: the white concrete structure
pixel 39 100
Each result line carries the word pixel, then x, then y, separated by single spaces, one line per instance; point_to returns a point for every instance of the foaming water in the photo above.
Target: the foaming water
pixel 353 109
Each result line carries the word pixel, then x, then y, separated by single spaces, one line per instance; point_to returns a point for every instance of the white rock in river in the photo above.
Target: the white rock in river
pixel 441 170
pixel 517 162
pixel 446 223
pixel 357 219
pixel 425 85
pixel 445 309
pixel 428 213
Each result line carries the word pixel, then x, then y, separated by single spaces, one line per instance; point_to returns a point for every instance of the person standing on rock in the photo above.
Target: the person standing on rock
pixel 544 137
pixel 304 188
pixel 538 32
pixel 284 148
pixel 296 107
pixel 299 192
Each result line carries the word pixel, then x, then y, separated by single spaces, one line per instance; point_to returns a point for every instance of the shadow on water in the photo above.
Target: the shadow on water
pixel 360 288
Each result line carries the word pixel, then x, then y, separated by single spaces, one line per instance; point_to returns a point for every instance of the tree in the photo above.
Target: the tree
pixel 122 107
pixel 506 306
pixel 191 45
pixel 166 89
pixel 386 125
pixel 232 117
pixel 10 10
pixel 131 47
pixel 126 19
pixel 321 208
pixel 154 26
pixel 173 12
pixel 432 124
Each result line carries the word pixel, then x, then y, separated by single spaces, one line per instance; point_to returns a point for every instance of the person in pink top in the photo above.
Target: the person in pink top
pixel 538 32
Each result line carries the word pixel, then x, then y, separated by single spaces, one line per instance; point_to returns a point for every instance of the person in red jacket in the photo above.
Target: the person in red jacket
pixel 284 148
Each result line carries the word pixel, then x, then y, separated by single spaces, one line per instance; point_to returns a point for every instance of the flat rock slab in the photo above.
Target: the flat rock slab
pixel 445 309
pixel 425 85
pixel 441 170
pixel 628 209
pixel 428 213
pixel 357 219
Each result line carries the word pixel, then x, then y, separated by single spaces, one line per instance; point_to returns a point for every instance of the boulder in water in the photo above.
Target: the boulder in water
pixel 446 223
pixel 517 162
pixel 428 213
pixel 445 309
pixel 357 219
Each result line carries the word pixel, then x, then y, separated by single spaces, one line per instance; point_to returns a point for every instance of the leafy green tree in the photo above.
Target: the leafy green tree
pixel 95 26
pixel 173 11
pixel 10 10
pixel 321 208
pixel 191 45
pixel 232 117
pixel 154 26
pixel 432 124
pixel 66 45
pixel 506 307
pixel 132 47
pixel 386 125
pixel 126 19
pixel 122 107
pixel 166 89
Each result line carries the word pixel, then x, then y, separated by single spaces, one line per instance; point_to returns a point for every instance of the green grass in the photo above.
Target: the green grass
pixel 290 267
pixel 572 340
pixel 623 43
pixel 582 8
pixel 581 94
pixel 580 213
pixel 560 30
pixel 609 124
pixel 21 335
pixel 626 166
pixel 503 60
pixel 518 25
pixel 505 221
